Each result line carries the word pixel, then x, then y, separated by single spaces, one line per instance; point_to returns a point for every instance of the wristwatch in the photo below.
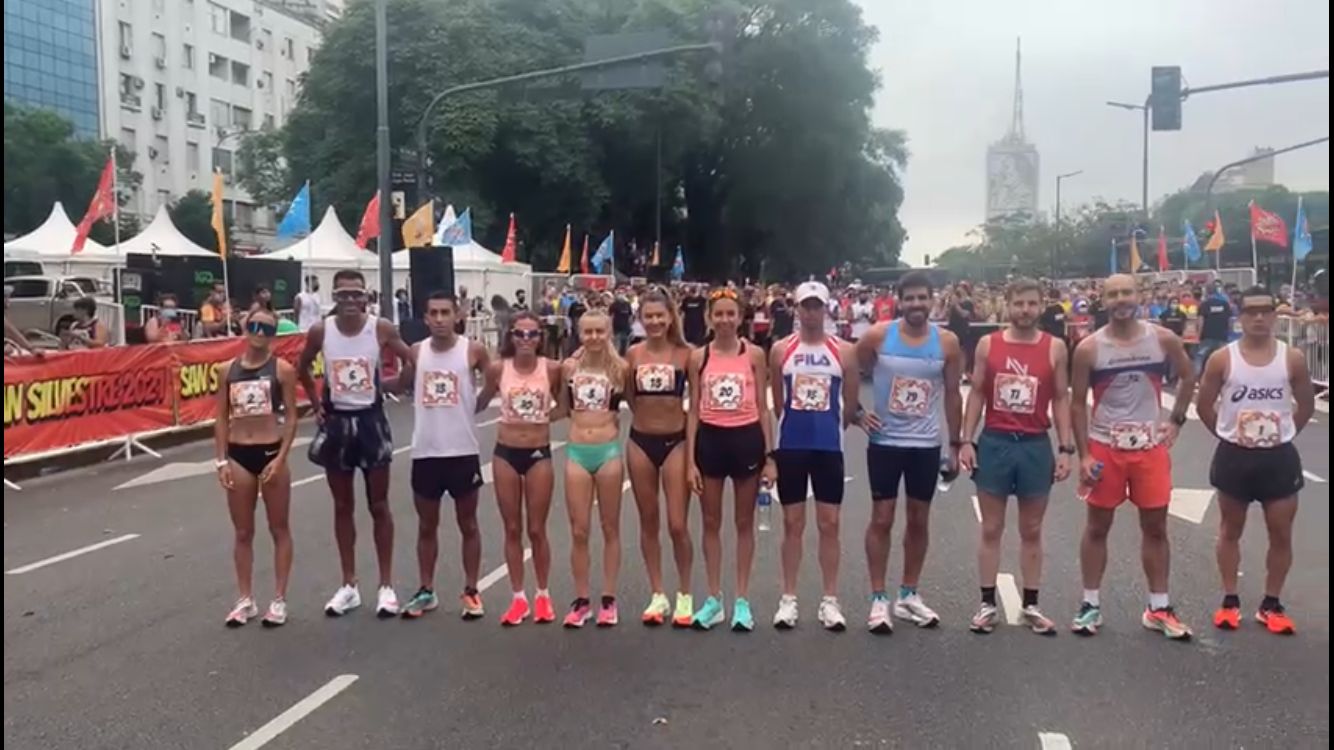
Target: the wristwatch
pixel 1068 450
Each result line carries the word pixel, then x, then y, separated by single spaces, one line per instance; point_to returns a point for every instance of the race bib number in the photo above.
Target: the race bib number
pixel 591 392
pixel 1259 429
pixel 526 405
pixel 1134 436
pixel 810 392
pixel 723 392
pixel 439 389
pixel 909 397
pixel 352 375
pixel 655 378
pixel 1017 394
pixel 251 398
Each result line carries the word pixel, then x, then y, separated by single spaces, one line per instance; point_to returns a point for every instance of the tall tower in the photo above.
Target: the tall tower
pixel 1012 162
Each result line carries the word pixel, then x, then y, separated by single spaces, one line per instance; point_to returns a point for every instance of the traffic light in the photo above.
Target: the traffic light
pixel 1165 97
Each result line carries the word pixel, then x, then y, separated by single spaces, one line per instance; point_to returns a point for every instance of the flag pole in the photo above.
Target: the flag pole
pixel 1296 230
pixel 115 200
pixel 310 227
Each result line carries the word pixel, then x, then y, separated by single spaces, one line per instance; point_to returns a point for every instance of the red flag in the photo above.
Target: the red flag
pixel 1163 264
pixel 370 222
pixel 583 259
pixel 511 244
pixel 100 207
pixel 1268 227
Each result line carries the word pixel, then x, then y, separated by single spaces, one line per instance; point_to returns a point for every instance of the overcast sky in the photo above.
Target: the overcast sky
pixel 946 78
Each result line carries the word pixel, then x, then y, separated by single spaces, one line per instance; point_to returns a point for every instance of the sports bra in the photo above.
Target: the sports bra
pixel 659 379
pixel 592 391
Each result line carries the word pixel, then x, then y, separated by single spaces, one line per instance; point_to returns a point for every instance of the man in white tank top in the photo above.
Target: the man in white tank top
pixel 354 431
pixel 1247 396
pixel 445 450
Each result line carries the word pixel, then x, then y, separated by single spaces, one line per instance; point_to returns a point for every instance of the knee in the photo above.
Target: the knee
pixel 917 524
pixel 881 525
pixel 795 528
pixel 380 512
pixel 280 531
pixel 1030 533
pixel 680 532
pixel 712 521
pixel 827 526
pixel 1154 533
pixel 1096 532
pixel 579 537
pixel 513 529
pixel 538 537
pixel 245 535
pixel 1230 533
pixel 468 527
pixel 345 508
pixel 992 533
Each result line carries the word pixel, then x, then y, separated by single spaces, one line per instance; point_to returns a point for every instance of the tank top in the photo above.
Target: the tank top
pixel 1255 408
pixel 254 392
pixel 1127 382
pixel 592 391
pixel 445 399
pixel 310 310
pixel 352 367
pixel 812 416
pixel 525 398
pixel 908 382
pixel 1019 384
pixel 727 389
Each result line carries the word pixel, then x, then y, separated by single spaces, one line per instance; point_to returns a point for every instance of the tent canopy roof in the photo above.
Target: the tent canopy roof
pixel 162 237
pixel 55 237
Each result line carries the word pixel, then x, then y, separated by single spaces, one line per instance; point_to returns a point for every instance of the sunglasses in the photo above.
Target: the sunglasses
pixel 349 295
pixel 526 335
pixel 260 328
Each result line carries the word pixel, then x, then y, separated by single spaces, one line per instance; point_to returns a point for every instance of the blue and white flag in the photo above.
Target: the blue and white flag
pixel 296 222
pixel 606 253
pixel 679 265
pixel 1301 234
pixel 1190 244
pixel 459 234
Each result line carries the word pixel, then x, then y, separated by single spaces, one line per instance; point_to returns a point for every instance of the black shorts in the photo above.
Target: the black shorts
pixel 522 459
pixel 821 471
pixel 729 452
pixel 351 440
pixel 919 468
pixel 253 458
pixel 433 476
pixel 1257 473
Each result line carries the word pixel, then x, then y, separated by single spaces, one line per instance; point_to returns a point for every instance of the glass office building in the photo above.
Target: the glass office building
pixel 51 59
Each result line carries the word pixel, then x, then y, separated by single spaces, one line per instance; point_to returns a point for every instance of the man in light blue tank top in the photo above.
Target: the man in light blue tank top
pixel 916 369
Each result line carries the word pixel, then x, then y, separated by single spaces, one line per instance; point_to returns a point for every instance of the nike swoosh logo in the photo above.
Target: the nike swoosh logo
pixel 270 454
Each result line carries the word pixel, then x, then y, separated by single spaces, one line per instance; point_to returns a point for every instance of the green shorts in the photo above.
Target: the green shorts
pixel 1018 464
pixel 592 456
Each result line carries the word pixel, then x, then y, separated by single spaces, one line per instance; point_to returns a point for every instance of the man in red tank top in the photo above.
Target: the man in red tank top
pixel 1020 377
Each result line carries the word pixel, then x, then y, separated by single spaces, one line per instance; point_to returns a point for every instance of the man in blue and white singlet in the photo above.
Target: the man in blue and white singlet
pixel 814 380
pixel 916 369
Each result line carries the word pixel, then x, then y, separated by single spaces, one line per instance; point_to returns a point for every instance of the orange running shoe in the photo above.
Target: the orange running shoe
pixel 543 612
pixel 517 613
pixel 1165 621
pixel 471 605
pixel 1227 618
pixel 1276 621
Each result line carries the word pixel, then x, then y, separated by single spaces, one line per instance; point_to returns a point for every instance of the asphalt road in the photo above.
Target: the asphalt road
pixel 123 646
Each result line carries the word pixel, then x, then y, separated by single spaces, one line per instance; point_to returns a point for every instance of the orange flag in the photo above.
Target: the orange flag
pixel 1134 254
pixel 511 244
pixel 564 265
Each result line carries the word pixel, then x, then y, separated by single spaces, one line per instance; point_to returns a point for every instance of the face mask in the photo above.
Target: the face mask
pixel 169 313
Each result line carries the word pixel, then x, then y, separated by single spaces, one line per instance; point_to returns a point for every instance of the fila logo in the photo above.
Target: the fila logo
pixel 1015 366
pixel 812 360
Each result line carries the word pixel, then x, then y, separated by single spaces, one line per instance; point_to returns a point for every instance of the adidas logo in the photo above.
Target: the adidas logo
pixel 536 454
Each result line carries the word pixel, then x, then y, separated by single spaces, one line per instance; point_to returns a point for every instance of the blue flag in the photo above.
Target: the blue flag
pixel 679 265
pixel 1112 264
pixel 1190 244
pixel 459 234
pixel 606 253
pixel 1301 234
pixel 296 222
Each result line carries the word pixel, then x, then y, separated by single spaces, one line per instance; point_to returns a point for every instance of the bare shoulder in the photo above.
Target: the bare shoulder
pixel 285 369
pixel 316 332
pixel 495 368
pixel 948 338
pixel 1167 338
pixel 696 358
pixel 385 329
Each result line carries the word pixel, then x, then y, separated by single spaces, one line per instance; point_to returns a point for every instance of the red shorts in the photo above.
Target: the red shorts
pixel 1143 477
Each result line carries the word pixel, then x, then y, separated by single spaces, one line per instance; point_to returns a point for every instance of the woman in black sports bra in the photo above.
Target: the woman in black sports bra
pixel 656 452
pixel 252 445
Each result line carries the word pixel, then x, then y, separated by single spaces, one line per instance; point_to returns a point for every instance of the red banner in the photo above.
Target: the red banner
pixel 199 371
pixel 74 398
pixel 1268 227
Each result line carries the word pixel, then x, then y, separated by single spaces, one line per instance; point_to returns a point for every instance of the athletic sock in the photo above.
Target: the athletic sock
pixel 1091 597
pixel 1030 597
pixel 608 601
pixel 1270 603
pixel 989 596
pixel 543 592
pixel 907 591
pixel 1231 601
pixel 521 595
pixel 1159 601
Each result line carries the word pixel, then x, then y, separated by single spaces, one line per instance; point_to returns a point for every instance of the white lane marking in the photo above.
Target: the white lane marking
pixel 1008 591
pixel 1190 505
pixel 494 576
pixel 1170 402
pixel 1313 476
pixel 182 470
pixel 488 422
pixel 285 720
pixel 30 567
pixel 977 509
pixel 486 467
pixel 1322 405
pixel 1054 741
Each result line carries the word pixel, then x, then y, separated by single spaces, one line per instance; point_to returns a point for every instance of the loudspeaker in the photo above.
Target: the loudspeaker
pixel 432 270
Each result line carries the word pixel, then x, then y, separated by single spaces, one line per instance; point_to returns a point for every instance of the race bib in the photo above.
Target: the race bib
pixel 439 389
pixel 810 392
pixel 251 398
pixel 1259 429
pixel 909 397
pixel 526 405
pixel 1134 436
pixel 1017 394
pixel 352 375
pixel 723 391
pixel 590 392
pixel 655 378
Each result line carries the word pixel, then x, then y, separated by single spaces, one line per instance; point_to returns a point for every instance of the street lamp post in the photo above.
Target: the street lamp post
pixel 1144 162
pixel 1059 238
pixel 385 245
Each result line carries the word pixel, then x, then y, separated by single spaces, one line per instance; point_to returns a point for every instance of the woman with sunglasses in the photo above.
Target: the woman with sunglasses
pixel 594 378
pixel 729 436
pixel 252 445
pixel 530 387
pixel 656 451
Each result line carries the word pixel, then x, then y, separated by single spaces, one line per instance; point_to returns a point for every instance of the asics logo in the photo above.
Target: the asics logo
pixel 1242 393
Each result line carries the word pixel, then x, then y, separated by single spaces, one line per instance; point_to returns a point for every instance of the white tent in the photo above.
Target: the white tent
pixel 163 238
pixel 55 237
pixel 329 242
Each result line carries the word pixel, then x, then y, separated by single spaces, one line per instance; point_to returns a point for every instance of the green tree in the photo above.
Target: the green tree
pixel 261 168
pixel 192 214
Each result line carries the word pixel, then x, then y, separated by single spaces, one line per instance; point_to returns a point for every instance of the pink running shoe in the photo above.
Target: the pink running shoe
pixel 579 614
pixel 607 616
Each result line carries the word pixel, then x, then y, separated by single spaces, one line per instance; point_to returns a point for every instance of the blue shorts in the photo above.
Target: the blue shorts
pixel 1018 464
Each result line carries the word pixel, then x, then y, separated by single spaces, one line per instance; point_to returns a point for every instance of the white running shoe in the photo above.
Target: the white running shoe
pixel 1038 622
pixel 345 599
pixel 786 617
pixel 386 605
pixel 244 610
pixel 914 610
pixel 831 615
pixel 986 619
pixel 879 621
pixel 277 614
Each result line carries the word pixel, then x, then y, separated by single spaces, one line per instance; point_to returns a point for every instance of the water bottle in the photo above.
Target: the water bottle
pixel 947 475
pixel 766 503
pixel 1086 488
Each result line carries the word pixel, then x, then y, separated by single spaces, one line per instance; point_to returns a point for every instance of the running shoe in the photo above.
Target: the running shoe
pixel 386 604
pixel 608 617
pixel 742 620
pixel 345 599
pixel 1229 618
pixel 517 613
pixel 685 611
pixel 709 615
pixel 1087 620
pixel 421 602
pixel 986 619
pixel 242 612
pixel 1165 621
pixel 914 610
pixel 1276 621
pixel 879 621
pixel 277 615
pixel 657 610
pixel 831 615
pixel 543 611
pixel 578 615
pixel 470 606
pixel 786 616
pixel 1036 621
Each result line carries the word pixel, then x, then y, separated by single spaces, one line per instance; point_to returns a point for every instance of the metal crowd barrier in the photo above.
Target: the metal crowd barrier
pixel 189 318
pixel 112 316
pixel 1311 337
